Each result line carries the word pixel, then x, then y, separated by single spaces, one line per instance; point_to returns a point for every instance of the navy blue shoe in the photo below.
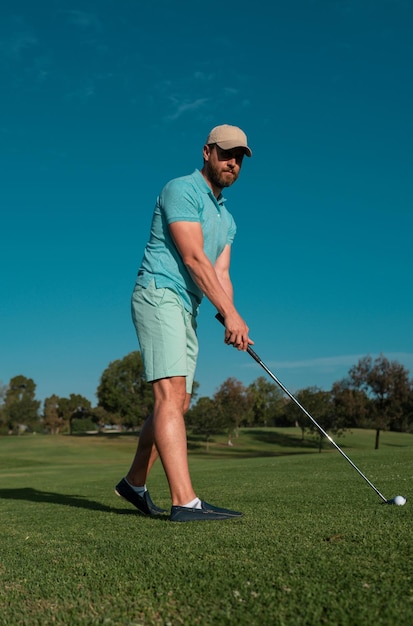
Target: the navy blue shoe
pixel 143 503
pixel 206 513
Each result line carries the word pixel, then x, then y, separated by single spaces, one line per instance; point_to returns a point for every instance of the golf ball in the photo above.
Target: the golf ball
pixel 399 500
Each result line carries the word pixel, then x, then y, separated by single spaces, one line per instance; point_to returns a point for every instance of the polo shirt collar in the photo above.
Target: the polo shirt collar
pixel 205 188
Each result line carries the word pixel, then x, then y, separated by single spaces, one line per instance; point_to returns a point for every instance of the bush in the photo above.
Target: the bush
pixel 83 425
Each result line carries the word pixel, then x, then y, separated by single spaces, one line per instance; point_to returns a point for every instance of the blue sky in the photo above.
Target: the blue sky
pixel 104 101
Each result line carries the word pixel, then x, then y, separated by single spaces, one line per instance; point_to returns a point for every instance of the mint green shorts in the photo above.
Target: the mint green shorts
pixel 166 333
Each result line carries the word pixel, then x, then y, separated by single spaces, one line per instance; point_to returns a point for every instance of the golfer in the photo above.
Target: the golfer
pixel 187 257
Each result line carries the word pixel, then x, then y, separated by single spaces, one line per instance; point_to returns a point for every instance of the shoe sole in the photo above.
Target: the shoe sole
pixel 180 514
pixel 207 518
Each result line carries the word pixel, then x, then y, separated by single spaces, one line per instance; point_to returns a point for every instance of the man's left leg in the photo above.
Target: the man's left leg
pixel 145 456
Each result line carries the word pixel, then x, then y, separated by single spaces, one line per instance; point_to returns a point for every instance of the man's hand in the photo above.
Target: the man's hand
pixel 236 332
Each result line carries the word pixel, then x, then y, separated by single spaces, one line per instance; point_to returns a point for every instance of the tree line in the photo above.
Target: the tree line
pixel 376 394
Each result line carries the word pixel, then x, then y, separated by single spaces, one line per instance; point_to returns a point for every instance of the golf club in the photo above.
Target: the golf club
pixel 395 500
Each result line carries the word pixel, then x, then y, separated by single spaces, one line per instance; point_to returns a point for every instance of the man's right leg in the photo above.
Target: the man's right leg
pixel 169 432
pixel 171 402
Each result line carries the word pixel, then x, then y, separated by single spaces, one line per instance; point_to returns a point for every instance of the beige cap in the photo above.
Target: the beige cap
pixel 227 137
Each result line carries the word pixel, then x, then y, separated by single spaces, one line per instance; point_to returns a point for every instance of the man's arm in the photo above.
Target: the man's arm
pixel 222 271
pixel 214 282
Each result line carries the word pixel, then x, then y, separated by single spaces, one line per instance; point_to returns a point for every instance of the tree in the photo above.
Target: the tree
pixel 20 406
pixel 267 401
pixel 3 389
pixel 405 423
pixel 53 420
pixel 351 405
pixel 73 408
pixel 235 403
pixel 319 405
pixel 206 418
pixel 104 418
pixel 123 390
pixel 387 385
pixel 195 387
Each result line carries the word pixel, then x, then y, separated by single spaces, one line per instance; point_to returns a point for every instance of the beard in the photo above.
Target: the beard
pixel 221 178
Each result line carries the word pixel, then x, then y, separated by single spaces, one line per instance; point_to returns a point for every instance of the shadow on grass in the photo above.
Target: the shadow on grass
pixel 275 444
pixel 49 497
pixel 279 439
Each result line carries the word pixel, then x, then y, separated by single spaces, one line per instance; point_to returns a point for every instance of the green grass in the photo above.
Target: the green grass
pixel 316 545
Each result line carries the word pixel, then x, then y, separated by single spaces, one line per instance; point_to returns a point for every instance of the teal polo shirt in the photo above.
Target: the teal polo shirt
pixel 184 199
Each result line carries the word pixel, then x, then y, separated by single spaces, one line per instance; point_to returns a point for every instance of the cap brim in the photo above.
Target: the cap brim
pixel 228 145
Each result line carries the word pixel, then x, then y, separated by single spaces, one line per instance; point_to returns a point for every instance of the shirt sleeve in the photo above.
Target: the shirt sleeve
pixel 180 202
pixel 231 230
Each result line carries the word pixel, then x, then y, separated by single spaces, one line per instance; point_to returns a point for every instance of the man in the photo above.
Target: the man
pixel 187 257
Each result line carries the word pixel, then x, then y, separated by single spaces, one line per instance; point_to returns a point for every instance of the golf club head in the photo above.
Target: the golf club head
pixel 397 500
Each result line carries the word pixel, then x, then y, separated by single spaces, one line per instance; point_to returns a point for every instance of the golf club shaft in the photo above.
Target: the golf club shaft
pixel 255 356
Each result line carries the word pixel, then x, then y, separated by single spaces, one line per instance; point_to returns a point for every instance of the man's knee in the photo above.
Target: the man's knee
pixel 171 390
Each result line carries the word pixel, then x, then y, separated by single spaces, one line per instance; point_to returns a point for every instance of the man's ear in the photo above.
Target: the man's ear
pixel 206 152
